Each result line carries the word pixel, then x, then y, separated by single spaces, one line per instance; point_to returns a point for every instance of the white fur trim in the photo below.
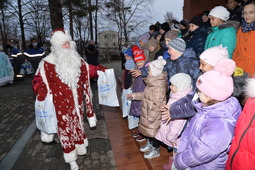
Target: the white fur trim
pixel 74 166
pixel 86 142
pixel 70 157
pixel 46 137
pixel 92 121
pixel 59 37
pixel 81 149
pixel 50 58
pixel 250 87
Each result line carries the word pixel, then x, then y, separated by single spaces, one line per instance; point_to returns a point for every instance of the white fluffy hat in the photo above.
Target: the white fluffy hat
pixel 220 12
pixel 59 36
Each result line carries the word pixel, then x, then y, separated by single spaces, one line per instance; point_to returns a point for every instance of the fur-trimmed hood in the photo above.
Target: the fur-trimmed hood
pixel 250 87
pixel 228 24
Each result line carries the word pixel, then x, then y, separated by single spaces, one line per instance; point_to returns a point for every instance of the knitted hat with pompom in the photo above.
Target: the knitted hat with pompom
pixel 218 83
pixel 157 66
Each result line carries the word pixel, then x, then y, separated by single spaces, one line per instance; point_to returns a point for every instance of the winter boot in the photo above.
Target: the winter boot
pixel 146 147
pixel 153 153
pixel 169 165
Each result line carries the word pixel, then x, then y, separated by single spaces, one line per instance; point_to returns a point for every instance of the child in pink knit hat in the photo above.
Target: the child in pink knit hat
pixel 210 57
pixel 204 143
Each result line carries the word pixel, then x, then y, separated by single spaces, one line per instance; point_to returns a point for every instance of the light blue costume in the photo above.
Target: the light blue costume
pixel 6 70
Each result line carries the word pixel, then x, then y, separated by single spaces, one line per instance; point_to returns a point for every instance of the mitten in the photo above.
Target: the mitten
pixel 41 93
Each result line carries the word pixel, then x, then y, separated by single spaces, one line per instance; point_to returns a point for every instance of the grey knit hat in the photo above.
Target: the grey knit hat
pixel 182 81
pixel 178 44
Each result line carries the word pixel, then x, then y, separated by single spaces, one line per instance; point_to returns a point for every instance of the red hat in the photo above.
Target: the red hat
pixel 134 48
pixel 139 57
pixel 58 29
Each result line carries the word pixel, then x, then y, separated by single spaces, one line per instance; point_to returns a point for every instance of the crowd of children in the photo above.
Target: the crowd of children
pixel 189 81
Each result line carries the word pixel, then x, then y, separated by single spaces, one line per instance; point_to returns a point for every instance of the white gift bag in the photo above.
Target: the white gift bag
pixel 45 115
pixel 133 121
pixel 126 103
pixel 106 84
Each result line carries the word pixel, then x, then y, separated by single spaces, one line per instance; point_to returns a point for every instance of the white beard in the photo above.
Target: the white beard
pixel 68 63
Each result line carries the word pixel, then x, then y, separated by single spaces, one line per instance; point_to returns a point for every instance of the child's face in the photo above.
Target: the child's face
pixel 249 13
pixel 173 88
pixel 204 66
pixel 141 43
pixel 231 4
pixel 193 27
pixel 203 97
pixel 127 57
pixel 173 53
pixel 215 21
pixel 151 48
pixel 167 41
pixel 140 63
pixel 205 18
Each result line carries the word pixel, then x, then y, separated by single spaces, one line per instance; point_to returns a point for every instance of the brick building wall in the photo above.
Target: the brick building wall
pixel 192 8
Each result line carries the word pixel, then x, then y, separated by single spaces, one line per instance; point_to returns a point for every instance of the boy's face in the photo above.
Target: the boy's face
pixel 151 48
pixel 173 88
pixel 215 21
pixel 127 57
pixel 141 43
pixel 193 27
pixel 231 4
pixel 204 66
pixel 140 63
pixel 205 18
pixel 173 53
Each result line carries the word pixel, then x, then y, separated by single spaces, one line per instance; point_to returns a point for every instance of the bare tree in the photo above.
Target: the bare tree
pixel 169 17
pixel 37 20
pixel 127 14
pixel 3 29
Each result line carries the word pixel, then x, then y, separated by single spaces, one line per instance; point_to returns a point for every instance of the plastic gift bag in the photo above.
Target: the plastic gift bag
pixel 26 68
pixel 126 103
pixel 133 121
pixel 107 88
pixel 45 115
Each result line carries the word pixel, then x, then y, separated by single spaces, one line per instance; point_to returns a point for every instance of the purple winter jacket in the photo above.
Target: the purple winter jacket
pixel 138 86
pixel 205 142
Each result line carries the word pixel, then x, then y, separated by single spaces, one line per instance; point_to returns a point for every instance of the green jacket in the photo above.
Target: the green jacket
pixel 224 34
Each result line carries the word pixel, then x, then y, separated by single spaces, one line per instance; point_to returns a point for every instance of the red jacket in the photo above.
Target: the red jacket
pixel 242 152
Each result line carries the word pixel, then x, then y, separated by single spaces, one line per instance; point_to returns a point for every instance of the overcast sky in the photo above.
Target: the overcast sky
pixel 160 7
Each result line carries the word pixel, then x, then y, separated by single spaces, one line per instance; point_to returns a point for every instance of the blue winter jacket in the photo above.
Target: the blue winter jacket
pixel 205 142
pixel 184 107
pixel 187 63
pixel 197 41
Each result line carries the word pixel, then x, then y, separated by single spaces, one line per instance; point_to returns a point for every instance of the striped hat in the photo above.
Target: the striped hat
pixel 178 44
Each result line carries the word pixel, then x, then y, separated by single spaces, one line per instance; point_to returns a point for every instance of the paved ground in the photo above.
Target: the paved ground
pixel 17 116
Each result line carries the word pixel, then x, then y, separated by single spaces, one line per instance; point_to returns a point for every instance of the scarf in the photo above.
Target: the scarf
pixel 247 27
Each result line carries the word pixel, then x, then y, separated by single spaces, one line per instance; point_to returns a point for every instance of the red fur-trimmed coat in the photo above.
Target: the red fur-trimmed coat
pixel 69 103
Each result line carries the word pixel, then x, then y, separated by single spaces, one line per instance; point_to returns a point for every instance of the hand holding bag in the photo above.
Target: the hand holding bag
pixel 45 114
